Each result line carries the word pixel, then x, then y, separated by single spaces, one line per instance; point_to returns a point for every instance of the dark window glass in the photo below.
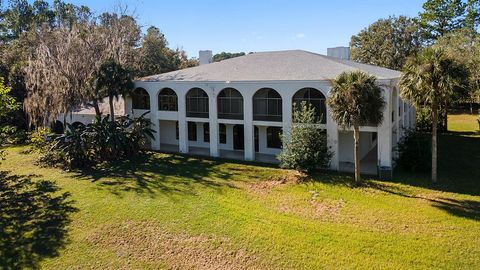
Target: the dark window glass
pixel 176 130
pixel 192 131
pixel 315 98
pixel 197 103
pixel 230 104
pixel 140 99
pixel 206 132
pixel 222 129
pixel 267 105
pixel 167 100
pixel 374 137
pixel 273 137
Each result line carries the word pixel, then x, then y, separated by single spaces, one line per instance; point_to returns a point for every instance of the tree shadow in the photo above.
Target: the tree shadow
pixel 461 208
pixel 156 173
pixel 33 221
pixel 458 166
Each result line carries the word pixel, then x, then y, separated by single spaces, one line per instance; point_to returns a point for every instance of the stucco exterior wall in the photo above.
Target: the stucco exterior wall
pixel 396 117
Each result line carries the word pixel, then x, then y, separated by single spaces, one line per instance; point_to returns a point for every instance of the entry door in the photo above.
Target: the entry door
pixel 238 138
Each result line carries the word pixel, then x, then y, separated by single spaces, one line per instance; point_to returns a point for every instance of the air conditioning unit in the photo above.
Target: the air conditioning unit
pixel 385 173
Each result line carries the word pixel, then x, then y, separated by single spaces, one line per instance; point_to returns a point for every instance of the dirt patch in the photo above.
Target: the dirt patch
pixel 315 207
pixel 266 186
pixel 327 209
pixel 148 243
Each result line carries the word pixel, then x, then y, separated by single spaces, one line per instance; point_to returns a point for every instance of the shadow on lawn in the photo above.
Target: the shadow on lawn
pixel 461 208
pixel 33 221
pixel 458 166
pixel 167 174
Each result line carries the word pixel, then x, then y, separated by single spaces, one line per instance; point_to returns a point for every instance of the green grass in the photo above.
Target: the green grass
pixel 170 211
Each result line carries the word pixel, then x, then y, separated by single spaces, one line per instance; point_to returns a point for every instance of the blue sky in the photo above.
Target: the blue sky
pixel 261 25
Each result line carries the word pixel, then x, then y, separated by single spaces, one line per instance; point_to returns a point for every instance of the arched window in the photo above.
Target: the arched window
pixel 267 105
pixel 140 99
pixel 315 98
pixel 230 104
pixel 167 100
pixel 197 103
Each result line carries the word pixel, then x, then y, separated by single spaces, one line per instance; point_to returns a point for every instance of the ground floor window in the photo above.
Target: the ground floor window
pixel 192 131
pixel 206 132
pixel 222 130
pixel 274 137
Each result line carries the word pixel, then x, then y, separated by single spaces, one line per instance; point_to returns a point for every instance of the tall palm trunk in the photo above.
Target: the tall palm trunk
pixel 112 110
pixel 434 142
pixel 97 108
pixel 356 138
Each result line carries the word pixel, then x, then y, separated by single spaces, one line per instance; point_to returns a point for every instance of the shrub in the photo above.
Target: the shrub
pixel 414 151
pixel 424 120
pixel 305 147
pixel 101 141
pixel 40 138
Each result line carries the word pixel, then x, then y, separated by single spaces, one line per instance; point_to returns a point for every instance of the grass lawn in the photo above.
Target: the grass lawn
pixel 171 211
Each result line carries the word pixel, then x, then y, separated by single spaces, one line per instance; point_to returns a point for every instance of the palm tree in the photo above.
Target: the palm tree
pixel 113 80
pixel 356 100
pixel 429 80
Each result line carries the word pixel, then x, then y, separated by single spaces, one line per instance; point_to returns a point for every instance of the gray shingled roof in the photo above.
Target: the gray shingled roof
pixel 277 65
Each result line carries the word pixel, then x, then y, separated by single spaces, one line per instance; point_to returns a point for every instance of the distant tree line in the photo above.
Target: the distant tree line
pixel 226 55
pixel 59 56
pixel 452 25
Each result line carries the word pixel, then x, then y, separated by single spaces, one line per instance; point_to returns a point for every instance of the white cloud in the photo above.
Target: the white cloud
pixel 300 35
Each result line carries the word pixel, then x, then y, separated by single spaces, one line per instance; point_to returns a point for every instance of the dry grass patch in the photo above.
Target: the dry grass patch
pixel 266 186
pixel 149 243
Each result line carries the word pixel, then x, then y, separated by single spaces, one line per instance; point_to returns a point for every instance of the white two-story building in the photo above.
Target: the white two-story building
pixel 237 108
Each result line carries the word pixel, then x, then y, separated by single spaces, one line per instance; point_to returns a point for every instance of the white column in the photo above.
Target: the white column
pixel 400 119
pixel 182 124
pixel 384 137
pixel 262 138
pixel 213 124
pixel 287 114
pixel 332 140
pixel 397 117
pixel 405 115
pixel 154 119
pixel 128 105
pixel 413 117
pixel 248 126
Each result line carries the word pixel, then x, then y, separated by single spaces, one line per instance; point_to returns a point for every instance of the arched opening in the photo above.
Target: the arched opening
pixel 167 100
pixel 57 127
pixel 140 99
pixel 197 103
pixel 230 104
pixel 267 105
pixel 315 98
